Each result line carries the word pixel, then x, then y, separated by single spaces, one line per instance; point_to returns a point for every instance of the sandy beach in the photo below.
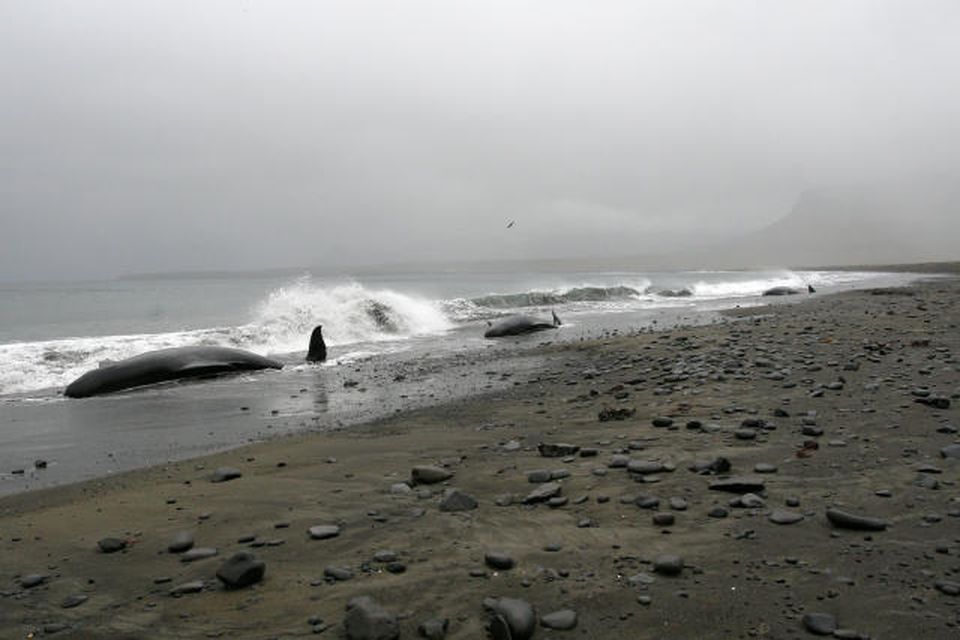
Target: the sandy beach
pixel 691 502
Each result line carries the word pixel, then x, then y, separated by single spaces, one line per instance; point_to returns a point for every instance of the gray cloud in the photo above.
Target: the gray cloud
pixel 244 134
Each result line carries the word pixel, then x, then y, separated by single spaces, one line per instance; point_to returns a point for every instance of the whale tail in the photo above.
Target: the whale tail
pixel 317 352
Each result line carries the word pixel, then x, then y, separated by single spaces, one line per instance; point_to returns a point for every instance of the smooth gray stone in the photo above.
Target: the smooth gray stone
pixel 429 474
pixel 951 451
pixel 543 492
pixel 456 500
pixel 844 520
pixel 821 624
pixel 668 565
pixel 33 580
pixel 223 474
pixel 323 531
pixel 538 476
pixel 181 542
pixel 367 620
pixel 557 450
pixel 947 587
pixel 498 560
pixel 241 570
pixel 73 601
pixel 782 516
pixel 434 628
pixel 519 616
pixel 187 587
pixel 112 545
pixel 198 553
pixel 739 484
pixel 644 467
pixel 562 620
pixel 337 573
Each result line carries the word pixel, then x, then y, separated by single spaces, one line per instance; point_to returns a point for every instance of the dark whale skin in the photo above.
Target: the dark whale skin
pixel 517 325
pixel 163 365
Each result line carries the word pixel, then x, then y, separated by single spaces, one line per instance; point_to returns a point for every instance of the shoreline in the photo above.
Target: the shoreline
pixel 743 576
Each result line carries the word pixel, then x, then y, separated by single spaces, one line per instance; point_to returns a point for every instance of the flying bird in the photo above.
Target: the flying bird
pixel 511 223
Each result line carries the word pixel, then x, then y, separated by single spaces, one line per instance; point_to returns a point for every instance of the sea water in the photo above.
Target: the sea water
pixel 50 333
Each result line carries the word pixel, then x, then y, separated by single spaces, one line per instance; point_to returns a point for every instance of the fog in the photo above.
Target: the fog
pixel 156 136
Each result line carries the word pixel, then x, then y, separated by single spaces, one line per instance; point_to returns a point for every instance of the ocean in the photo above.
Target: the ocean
pixel 50 333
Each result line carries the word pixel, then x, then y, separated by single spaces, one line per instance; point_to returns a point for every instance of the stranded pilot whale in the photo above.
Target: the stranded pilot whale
pixel 520 324
pixel 166 364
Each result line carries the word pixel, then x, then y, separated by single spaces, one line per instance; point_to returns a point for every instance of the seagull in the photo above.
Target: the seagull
pixel 511 223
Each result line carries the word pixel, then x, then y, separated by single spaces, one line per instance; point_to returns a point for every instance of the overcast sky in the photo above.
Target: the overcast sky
pixel 143 136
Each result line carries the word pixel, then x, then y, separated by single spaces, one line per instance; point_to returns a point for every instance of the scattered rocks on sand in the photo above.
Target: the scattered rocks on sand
pixel 429 474
pixel 241 570
pixel 844 520
pixel 323 531
pixel 367 620
pixel 223 474
pixel 456 500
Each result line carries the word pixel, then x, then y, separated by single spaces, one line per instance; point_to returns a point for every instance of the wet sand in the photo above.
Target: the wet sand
pixel 822 395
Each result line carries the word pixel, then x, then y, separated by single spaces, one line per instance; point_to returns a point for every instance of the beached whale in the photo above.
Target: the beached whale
pixel 781 291
pixel 164 365
pixel 518 325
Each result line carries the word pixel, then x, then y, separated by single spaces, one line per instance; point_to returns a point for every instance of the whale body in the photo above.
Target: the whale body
pixel 518 325
pixel 163 365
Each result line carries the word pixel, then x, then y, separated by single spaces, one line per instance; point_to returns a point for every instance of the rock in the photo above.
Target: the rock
pixel 764 467
pixel 718 512
pixel 820 624
pixel 538 476
pixel 401 489
pixel 748 501
pixel 519 616
pixel 562 620
pixel 181 542
pixel 336 573
pixel 937 402
pixel 947 587
pixel 33 580
pixel 668 565
pixel 498 560
pixel 367 620
pixel 455 500
pixel 72 601
pixel 607 414
pixel 223 474
pixel 111 545
pixel 187 587
pixel 198 553
pixel 429 474
pixel 241 570
pixel 716 466
pixel 662 422
pixel 844 520
pixel 557 450
pixel 739 484
pixel 434 628
pixel 323 531
pixel 644 467
pixel 664 519
pixel 950 451
pixel 543 492
pixel 782 516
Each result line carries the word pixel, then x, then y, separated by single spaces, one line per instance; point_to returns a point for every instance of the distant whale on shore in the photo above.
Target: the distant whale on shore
pixel 519 325
pixel 164 365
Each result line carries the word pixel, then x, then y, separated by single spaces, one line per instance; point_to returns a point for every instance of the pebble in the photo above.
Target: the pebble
pixel 181 542
pixel 557 450
pixel 324 531
pixel 72 601
pixel 434 628
pixel 111 545
pixel 562 620
pixel 223 474
pixel 543 492
pixel 499 560
pixel 337 573
pixel 821 624
pixel 198 553
pixel 739 484
pixel 367 620
pixel 429 474
pixel 518 614
pixel 782 516
pixel 195 586
pixel 241 570
pixel 33 580
pixel 844 520
pixel 668 565
pixel 455 500
pixel 764 467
